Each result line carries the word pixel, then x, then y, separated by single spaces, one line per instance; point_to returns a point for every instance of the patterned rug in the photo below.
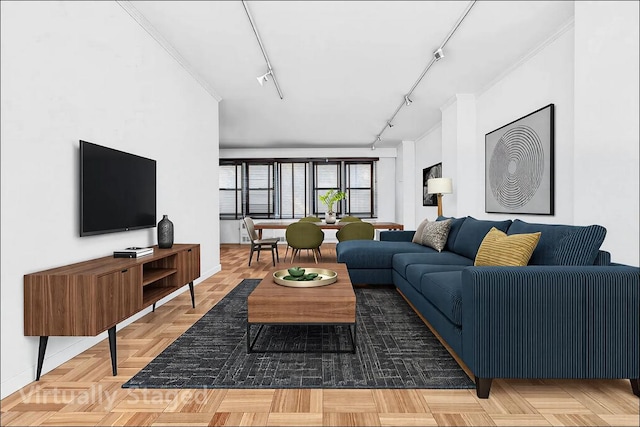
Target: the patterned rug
pixel 395 350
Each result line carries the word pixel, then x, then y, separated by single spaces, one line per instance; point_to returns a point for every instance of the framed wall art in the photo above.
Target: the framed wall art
pixel 434 171
pixel 519 165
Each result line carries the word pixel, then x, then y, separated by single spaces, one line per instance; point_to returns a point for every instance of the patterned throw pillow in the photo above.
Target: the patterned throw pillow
pixel 434 234
pixel 417 236
pixel 498 249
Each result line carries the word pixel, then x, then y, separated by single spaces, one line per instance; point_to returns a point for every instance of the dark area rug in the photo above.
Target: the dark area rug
pixel 395 350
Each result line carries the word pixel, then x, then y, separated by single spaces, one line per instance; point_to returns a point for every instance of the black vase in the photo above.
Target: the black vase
pixel 165 233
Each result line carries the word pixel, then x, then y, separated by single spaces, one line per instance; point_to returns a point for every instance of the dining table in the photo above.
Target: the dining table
pixel 282 225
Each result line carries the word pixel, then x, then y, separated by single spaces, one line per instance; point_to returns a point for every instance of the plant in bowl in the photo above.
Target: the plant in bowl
pixel 329 199
pixel 297 274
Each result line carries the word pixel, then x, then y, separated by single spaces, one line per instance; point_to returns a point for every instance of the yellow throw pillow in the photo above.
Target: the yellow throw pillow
pixel 501 250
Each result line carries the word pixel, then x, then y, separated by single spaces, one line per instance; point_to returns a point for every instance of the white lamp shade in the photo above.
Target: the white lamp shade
pixel 439 186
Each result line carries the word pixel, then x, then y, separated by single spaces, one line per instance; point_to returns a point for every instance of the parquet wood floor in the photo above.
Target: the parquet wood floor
pixel 82 391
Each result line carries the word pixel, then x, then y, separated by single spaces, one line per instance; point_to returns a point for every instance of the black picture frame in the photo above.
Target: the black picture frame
pixel 434 171
pixel 519 165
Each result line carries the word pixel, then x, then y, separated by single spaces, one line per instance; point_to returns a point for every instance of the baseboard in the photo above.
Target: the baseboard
pixel 56 359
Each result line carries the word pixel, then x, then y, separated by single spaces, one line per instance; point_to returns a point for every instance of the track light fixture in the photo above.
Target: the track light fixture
pixel 438 54
pixel 263 78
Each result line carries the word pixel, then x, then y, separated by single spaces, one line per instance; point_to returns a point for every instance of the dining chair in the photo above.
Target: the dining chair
pixel 305 219
pixel 357 230
pixel 310 219
pixel 349 218
pixel 304 235
pixel 259 244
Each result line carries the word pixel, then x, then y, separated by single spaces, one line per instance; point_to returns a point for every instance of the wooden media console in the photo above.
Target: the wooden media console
pixel 90 297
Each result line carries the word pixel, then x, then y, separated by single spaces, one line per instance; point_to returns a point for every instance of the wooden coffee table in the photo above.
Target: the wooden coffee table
pixel 273 304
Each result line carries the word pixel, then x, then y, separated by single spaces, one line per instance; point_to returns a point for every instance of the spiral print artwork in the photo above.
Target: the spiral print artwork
pixel 516 167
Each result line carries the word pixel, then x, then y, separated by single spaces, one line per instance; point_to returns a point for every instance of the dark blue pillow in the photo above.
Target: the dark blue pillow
pixel 471 233
pixel 454 228
pixel 562 244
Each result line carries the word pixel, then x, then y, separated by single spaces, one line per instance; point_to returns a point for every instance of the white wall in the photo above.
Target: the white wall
pixel 87 70
pixel 229 230
pixel 589 70
pixel 606 123
pixel 544 78
pixel 428 153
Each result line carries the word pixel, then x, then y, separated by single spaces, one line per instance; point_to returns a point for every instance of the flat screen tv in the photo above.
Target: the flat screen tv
pixel 117 190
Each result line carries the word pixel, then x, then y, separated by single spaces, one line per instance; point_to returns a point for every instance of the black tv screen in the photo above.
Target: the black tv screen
pixel 117 190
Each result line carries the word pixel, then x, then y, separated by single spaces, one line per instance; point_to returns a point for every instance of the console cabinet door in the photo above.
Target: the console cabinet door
pixel 188 265
pixel 119 296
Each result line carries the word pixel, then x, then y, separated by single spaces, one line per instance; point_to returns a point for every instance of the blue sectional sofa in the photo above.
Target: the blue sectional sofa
pixel 570 313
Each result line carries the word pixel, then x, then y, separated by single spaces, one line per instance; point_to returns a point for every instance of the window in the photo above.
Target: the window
pixel 359 188
pixel 326 176
pixel 292 184
pixel 230 191
pixel 287 189
pixel 259 190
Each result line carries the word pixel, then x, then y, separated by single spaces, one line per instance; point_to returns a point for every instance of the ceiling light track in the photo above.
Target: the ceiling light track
pixel 438 54
pixel 262 79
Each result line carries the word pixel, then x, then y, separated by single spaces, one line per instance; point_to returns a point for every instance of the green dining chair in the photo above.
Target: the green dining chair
pixel 357 230
pixel 349 219
pixel 304 235
pixel 305 219
pixel 310 219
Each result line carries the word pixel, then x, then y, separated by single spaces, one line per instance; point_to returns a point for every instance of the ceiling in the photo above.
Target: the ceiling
pixel 345 66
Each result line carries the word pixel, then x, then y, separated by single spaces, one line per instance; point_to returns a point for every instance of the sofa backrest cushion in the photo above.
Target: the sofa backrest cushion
pixel 471 233
pixel 454 228
pixel 563 244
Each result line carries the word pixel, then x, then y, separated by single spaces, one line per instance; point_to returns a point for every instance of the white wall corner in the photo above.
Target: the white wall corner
pixel 164 43
pixel 409 183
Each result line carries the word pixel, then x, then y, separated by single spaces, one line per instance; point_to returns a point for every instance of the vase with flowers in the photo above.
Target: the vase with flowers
pixel 329 199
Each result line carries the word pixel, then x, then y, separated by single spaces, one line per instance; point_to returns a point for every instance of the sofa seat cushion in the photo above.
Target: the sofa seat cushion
pixel 471 233
pixel 400 262
pixel 562 244
pixel 444 290
pixel 416 271
pixel 375 253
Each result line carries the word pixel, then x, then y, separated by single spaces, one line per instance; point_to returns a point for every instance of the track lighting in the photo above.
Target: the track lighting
pixel 373 147
pixel 263 78
pixel 438 54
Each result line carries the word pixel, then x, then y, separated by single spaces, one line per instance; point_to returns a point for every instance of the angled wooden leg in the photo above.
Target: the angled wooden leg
pixel 112 348
pixel 193 296
pixel 273 257
pixel 41 350
pixel 277 254
pixel 250 255
pixel 314 255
